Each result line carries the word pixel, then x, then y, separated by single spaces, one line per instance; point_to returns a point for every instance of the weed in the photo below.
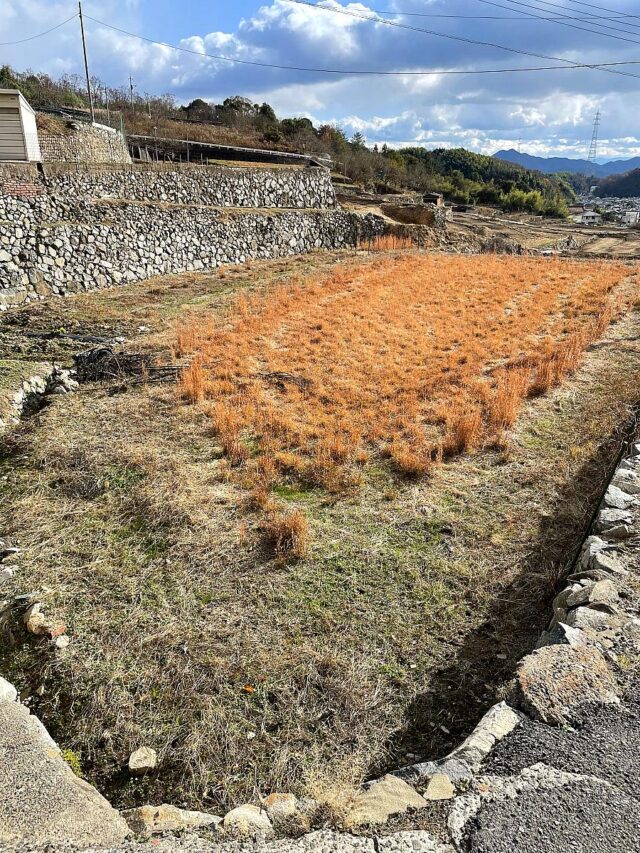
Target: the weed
pixel 287 534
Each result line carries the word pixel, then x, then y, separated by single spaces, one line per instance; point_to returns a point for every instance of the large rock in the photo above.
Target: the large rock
pixel 246 822
pixel 387 797
pixel 8 692
pixel 154 820
pixel 41 800
pixel 553 682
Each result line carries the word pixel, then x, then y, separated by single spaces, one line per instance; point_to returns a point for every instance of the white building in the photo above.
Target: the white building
pixel 631 217
pixel 587 217
pixel 18 131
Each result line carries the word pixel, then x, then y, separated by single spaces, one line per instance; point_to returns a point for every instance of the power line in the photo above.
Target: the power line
pixel 466 40
pixel 360 72
pixel 603 9
pixel 564 23
pixel 586 18
pixel 38 35
pixel 622 20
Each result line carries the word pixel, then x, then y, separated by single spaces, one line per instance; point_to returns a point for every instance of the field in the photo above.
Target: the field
pixel 321 553
pixel 414 360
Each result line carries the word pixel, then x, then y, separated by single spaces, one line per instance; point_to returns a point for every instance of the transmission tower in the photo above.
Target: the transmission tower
pixel 593 148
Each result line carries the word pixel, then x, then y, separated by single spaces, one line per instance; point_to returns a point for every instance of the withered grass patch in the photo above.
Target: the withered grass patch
pixel 136 529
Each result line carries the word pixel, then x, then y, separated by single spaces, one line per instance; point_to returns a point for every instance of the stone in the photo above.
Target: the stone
pixel 553 682
pixel 246 821
pixel 498 722
pixel 562 633
pixel 280 806
pixel 608 518
pixel 146 821
pixel 43 803
pixel 628 481
pixel 143 760
pixel 8 692
pixel 35 620
pixel 5 575
pixel 409 841
pixel 598 592
pixel 617 499
pixel 589 617
pixel 440 787
pixel 387 797
pixel 619 532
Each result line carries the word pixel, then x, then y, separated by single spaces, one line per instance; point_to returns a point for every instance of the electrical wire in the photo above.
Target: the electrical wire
pixel 565 24
pixel 38 35
pixel 358 72
pixel 466 40
pixel 622 20
pixel 586 17
pixel 602 8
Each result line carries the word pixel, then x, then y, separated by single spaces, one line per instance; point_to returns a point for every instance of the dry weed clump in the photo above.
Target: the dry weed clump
pixel 414 358
pixel 385 242
pixel 288 534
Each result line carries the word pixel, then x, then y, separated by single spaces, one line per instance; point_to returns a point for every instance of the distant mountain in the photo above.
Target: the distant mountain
pixel 621 186
pixel 551 165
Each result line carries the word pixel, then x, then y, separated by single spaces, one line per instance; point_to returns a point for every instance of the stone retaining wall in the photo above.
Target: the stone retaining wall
pixel 75 231
pixel 213 186
pixel 84 143
pixel 89 246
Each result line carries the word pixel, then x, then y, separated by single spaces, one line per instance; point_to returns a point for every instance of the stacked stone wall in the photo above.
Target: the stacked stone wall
pixel 84 143
pixel 72 238
pixel 215 186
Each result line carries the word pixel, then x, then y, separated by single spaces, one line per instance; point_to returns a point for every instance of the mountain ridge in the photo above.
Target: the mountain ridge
pixel 552 165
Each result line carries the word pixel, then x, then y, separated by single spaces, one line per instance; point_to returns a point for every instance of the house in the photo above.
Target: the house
pixel 630 217
pixel 18 131
pixel 433 198
pixel 587 217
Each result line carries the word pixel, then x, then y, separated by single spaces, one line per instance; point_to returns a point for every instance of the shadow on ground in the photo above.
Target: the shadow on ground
pixel 458 694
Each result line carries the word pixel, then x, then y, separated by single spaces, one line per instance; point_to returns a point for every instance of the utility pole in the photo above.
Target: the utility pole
pixel 86 64
pixel 131 92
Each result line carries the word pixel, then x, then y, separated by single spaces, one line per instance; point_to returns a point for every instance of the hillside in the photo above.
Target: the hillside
pixel 621 186
pixel 553 165
pixel 464 176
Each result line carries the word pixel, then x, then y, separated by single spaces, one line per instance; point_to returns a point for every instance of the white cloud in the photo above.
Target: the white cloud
pixel 551 112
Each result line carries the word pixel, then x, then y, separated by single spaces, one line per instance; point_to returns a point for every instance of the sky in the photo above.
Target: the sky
pixel 545 113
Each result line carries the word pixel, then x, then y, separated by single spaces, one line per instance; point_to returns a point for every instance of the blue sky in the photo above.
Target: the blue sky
pixel 550 112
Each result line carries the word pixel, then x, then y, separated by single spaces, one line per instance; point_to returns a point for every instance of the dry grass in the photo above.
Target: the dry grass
pixel 415 358
pixel 288 534
pixel 249 674
pixel 385 243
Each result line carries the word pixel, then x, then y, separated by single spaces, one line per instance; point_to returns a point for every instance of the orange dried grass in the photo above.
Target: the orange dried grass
pixel 320 376
pixel 287 534
pixel 385 243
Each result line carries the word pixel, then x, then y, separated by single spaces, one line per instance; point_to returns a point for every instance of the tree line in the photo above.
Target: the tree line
pixel 461 176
